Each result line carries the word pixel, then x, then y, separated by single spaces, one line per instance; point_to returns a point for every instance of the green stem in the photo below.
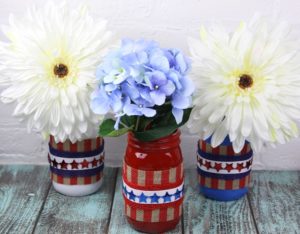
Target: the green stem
pixel 137 124
pixel 124 124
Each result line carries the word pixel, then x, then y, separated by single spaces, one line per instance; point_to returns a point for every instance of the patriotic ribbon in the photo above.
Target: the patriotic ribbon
pixel 217 170
pixel 77 163
pixel 153 196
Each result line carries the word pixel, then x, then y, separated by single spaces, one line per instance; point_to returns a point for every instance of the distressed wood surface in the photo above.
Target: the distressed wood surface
pixel 118 223
pixel 203 215
pixel 88 214
pixel 23 189
pixel 275 201
pixel 28 204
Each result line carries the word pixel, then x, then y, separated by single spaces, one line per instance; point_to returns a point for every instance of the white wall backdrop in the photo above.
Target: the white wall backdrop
pixel 169 22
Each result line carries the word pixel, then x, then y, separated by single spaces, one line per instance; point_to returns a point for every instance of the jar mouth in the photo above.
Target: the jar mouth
pixel 167 142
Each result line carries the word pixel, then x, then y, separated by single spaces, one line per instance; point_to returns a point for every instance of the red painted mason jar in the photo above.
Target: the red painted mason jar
pixel 153 183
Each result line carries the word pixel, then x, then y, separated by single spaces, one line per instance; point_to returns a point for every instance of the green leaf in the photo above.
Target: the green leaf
pixel 107 129
pixel 162 129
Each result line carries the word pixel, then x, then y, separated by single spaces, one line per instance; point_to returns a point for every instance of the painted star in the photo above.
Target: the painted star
pixel 85 164
pixel 74 165
pixel 218 166
pixel 154 198
pixel 177 194
pixel 229 167
pixel 207 165
pixel 94 162
pixel 249 164
pixel 167 197
pixel 63 165
pixel 143 198
pixel 54 163
pixel 239 166
pixel 131 196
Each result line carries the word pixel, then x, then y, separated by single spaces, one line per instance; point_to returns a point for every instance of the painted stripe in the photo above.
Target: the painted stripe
pixel 222 150
pixel 222 184
pixel 146 178
pixel 76 180
pixel 154 213
pixel 69 173
pixel 79 146
pixel 222 158
pixel 222 176
pixel 65 154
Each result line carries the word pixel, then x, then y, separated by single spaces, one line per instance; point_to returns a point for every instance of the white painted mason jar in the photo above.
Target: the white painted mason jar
pixel 76 168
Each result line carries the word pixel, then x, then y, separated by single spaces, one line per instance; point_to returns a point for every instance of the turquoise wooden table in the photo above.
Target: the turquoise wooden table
pixel 28 204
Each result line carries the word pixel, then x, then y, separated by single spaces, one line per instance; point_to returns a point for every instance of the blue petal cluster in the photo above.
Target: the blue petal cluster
pixel 139 76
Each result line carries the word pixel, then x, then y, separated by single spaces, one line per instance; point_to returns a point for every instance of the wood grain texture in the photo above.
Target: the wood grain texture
pixel 203 215
pixel 275 201
pixel 23 189
pixel 88 214
pixel 118 223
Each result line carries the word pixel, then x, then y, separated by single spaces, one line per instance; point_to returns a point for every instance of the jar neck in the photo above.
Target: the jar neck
pixel 164 143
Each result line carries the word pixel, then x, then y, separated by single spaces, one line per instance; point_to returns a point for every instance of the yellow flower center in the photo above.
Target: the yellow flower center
pixel 61 70
pixel 245 81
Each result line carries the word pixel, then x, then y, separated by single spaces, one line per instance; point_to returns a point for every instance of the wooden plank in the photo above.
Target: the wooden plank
pixel 275 201
pixel 88 214
pixel 118 223
pixel 23 189
pixel 203 215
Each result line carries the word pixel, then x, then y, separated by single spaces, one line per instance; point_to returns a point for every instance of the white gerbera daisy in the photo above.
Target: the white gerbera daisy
pixel 248 84
pixel 49 64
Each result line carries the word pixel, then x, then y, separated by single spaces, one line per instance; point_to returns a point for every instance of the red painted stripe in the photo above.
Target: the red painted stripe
pixel 98 142
pixel 244 150
pixel 230 151
pixel 215 151
pixel 147 215
pixel 60 179
pixel 178 173
pixel 203 147
pixel 73 147
pixel 73 180
pixel 133 212
pixel 202 180
pixel 60 146
pixel 87 145
pixel 242 182
pixel 176 211
pixel 87 180
pixel 165 177
pixel 134 176
pixel 214 183
pixel 149 178
pixel 163 215
pixel 228 184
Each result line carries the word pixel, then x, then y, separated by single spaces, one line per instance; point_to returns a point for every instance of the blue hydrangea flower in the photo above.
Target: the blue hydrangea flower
pixel 139 76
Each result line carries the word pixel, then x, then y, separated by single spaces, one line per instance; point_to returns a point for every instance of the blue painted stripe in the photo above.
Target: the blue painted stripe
pixel 84 172
pixel 223 195
pixel 225 158
pixel 65 154
pixel 222 176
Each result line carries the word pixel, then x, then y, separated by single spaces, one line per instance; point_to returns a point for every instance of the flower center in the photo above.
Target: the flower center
pixel 156 87
pixel 245 81
pixel 61 70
